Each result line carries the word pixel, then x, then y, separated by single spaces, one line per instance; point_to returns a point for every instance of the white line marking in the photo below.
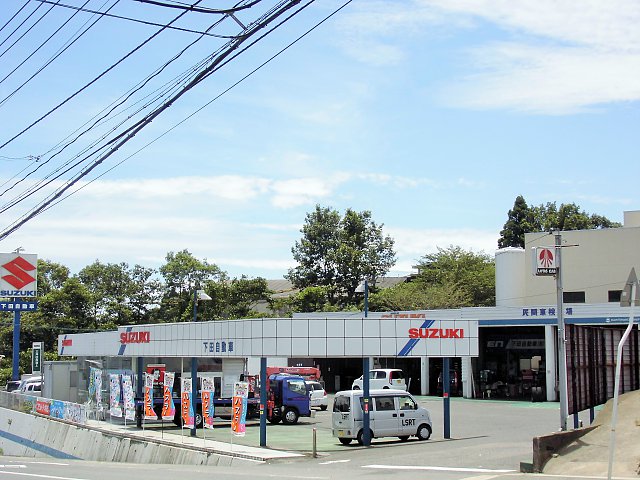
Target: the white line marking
pixel 40 476
pixel 439 469
pixel 13 466
pixel 334 461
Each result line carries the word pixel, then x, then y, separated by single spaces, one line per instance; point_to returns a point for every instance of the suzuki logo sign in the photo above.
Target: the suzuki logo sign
pixel 18 274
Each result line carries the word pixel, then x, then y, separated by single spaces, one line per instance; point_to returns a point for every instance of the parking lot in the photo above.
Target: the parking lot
pixel 484 434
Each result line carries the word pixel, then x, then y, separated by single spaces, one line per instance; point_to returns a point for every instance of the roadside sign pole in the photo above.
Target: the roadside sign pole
pixel 263 401
pixel 194 392
pixel 15 375
pixel 445 397
pixel 562 345
pixel 366 436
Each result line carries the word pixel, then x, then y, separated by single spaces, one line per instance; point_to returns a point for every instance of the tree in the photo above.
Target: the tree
pixel 235 298
pixel 466 271
pixel 547 218
pixel 339 252
pixel 183 274
pixel 109 285
pixel 518 223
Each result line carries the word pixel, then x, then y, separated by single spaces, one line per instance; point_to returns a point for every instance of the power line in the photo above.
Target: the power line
pixel 273 57
pixel 128 134
pixel 24 5
pixel 21 23
pixel 144 22
pixel 60 52
pixel 87 85
pixel 192 8
pixel 28 30
pixel 41 45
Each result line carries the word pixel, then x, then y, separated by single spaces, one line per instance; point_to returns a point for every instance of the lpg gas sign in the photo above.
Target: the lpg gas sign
pixel 18 274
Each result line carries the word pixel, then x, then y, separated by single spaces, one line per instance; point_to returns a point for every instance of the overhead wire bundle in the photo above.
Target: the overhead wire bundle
pixel 55 174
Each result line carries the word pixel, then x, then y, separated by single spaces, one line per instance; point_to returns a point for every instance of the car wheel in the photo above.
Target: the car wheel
pixel 345 441
pixel 403 438
pixel 361 436
pixel 290 416
pixel 424 432
pixel 385 388
pixel 355 387
pixel 323 407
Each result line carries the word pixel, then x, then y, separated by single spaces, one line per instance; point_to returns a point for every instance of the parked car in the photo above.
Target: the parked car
pixel 317 395
pixel 382 378
pixel 12 385
pixel 30 386
pixel 393 413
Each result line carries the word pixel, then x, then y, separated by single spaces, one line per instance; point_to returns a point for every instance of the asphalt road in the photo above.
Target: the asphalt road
pixel 488 440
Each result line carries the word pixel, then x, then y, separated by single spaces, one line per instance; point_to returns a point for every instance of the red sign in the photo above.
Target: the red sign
pixel 42 407
pixel 19 268
pixel 436 333
pixel 67 342
pixel 135 337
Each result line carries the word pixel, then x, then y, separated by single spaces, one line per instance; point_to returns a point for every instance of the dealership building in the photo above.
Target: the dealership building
pixel 504 351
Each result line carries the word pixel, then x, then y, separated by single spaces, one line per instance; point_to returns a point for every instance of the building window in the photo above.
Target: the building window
pixel 614 295
pixel 573 297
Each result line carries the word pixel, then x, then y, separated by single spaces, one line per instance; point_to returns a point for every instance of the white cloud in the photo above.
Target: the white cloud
pixel 563 56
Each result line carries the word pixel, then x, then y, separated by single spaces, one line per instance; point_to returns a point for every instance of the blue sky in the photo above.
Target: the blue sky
pixel 434 115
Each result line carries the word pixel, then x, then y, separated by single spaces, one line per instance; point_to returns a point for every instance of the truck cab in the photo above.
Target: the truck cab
pixel 287 398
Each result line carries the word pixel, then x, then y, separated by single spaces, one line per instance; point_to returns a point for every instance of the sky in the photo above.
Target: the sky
pixel 434 115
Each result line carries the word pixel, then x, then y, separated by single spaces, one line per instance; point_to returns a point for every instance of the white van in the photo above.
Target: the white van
pixel 382 378
pixel 393 413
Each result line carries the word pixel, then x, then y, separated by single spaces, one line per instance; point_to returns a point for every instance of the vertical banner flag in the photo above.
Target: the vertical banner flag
pixel 187 403
pixel 240 394
pixel 91 389
pixel 208 411
pixel 98 384
pixel 149 414
pixel 115 410
pixel 168 408
pixel 127 393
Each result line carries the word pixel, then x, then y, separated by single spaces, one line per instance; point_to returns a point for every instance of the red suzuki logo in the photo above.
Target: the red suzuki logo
pixel 135 337
pixel 18 268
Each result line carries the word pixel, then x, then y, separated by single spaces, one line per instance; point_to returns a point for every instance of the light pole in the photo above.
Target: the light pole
pixel 197 295
pixel 366 401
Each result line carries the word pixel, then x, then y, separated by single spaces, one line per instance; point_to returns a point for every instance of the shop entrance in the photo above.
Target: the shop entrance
pixel 511 363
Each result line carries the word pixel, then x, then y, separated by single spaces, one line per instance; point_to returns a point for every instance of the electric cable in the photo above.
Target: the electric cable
pixel 124 137
pixel 24 5
pixel 42 44
pixel 87 85
pixel 21 23
pixel 166 132
pixel 192 8
pixel 56 55
pixel 136 20
pixel 28 30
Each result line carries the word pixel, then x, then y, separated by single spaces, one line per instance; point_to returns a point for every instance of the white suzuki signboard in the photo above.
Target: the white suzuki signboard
pixel 414 334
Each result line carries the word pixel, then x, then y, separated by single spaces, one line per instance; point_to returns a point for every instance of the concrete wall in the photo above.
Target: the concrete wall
pixel 23 434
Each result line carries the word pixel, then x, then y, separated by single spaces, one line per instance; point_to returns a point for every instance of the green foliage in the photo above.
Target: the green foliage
pixel 338 252
pixel 547 218
pixel 233 299
pixel 418 296
pixel 472 273
pixel 450 278
pixel 183 274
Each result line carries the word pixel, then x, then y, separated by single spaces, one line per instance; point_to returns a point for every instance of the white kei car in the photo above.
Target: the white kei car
pixel 317 395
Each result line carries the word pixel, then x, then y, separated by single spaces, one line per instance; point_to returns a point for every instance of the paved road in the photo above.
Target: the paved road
pixel 489 439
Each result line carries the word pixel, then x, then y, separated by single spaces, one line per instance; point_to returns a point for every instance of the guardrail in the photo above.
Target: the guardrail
pixel 71 412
